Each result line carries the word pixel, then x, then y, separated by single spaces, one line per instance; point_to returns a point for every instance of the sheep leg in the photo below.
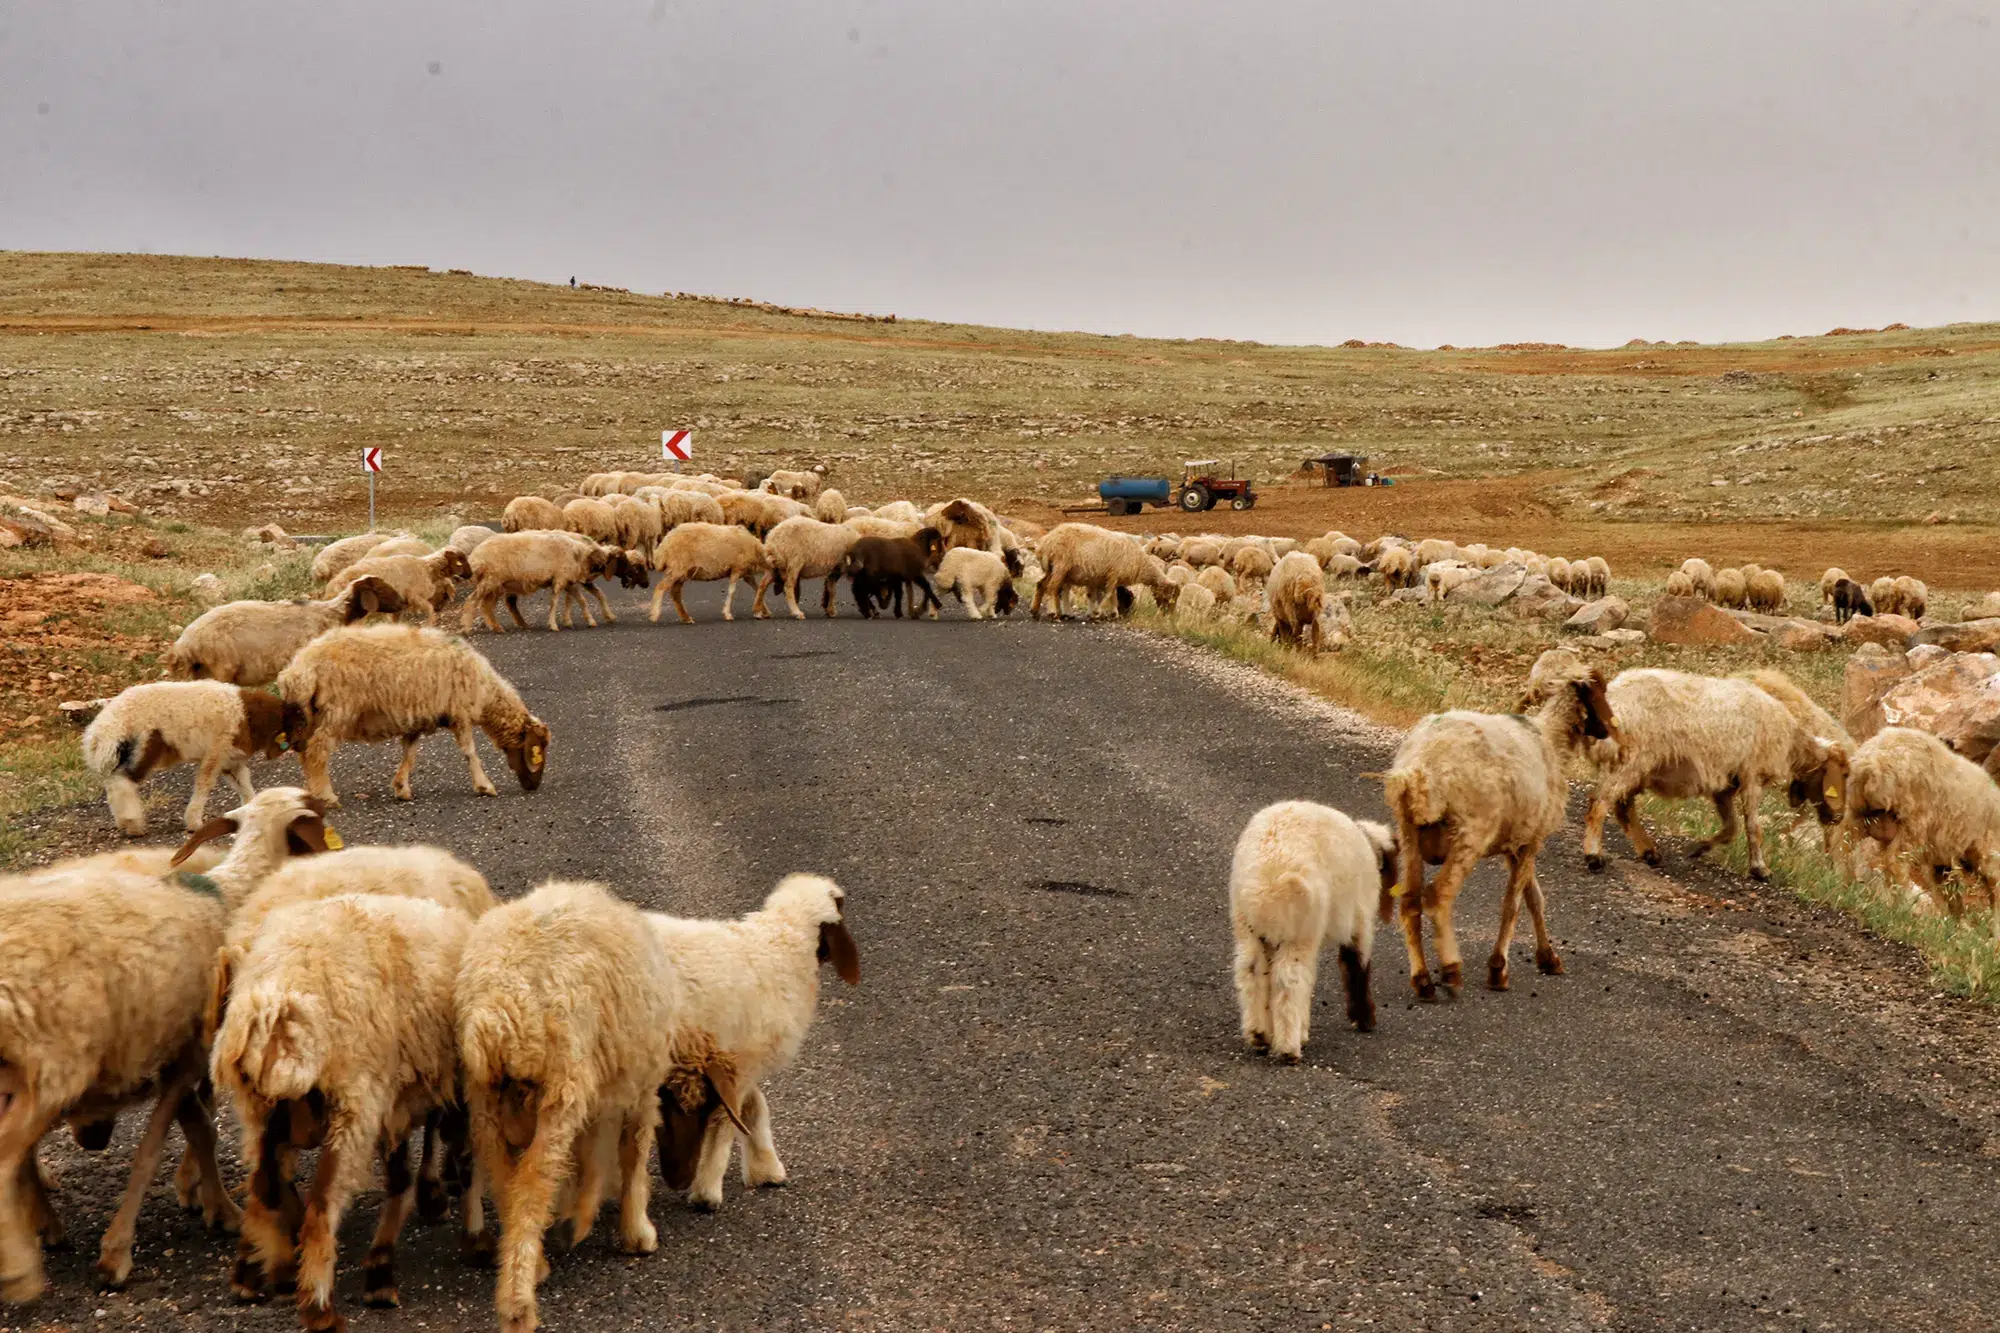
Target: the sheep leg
pixel 314 759
pixel 1547 961
pixel 718 1140
pixel 477 1243
pixel 128 807
pixel 41 1210
pixel 636 1233
pixel 1725 810
pixel 1437 906
pixel 265 1245
pixel 399 1196
pixel 1510 909
pixel 758 609
pixel 1752 797
pixel 1293 973
pixel 205 774
pixel 1355 966
pixel 602 605
pixel 761 1165
pixel 114 1255
pixel 400 784
pixel 680 607
pixel 828 587
pixel 1253 990
pixel 204 1183
pixel 342 1170
pixel 585 1195
pixel 526 1200
pixel 558 602
pixel 433 1198
pixel 461 730
pixel 22 1125
pixel 513 609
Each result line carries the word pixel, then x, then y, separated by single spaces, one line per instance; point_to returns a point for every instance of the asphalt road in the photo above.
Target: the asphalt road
pixel 1034 1112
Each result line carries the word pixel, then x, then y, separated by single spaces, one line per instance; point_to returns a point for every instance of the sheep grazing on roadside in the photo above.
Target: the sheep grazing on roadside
pixel 1850 599
pixel 1167 546
pixel 830 506
pixel 1218 581
pixel 531 513
pixel 248 643
pixel 566 1033
pixel 805 548
pixel 338 555
pixel 370 684
pixel 1558 573
pixel 1701 575
pixel 1731 588
pixel 1201 552
pixel 423 583
pixel 700 552
pixel 1825 787
pixel 1433 549
pixel 107 976
pixel 1252 564
pixel 980 579
pixel 150 728
pixel 639 524
pixel 1305 876
pixel 1827 581
pixel 1445 575
pixel 595 519
pixel 1102 563
pixel 745 990
pixel 1465 786
pixel 1193 603
pixel 1912 597
pixel 1341 567
pixel 1679 584
pixel 1296 594
pixel 685 506
pixel 883 570
pixel 1930 809
pixel 338 1033
pixel 515 564
pixel 1181 572
pixel 1398 567
pixel 1681 736
pixel 1765 592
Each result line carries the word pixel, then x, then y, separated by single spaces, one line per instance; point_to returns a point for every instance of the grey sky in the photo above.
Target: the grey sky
pixel 1469 172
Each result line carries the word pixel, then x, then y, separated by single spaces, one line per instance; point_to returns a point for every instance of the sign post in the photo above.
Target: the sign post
pixel 677 446
pixel 371 462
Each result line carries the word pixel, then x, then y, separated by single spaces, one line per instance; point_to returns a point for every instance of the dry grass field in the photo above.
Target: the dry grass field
pixel 237 391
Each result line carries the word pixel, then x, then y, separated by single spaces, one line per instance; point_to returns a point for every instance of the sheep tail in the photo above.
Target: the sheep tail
pixel 274 1042
pixel 1408 794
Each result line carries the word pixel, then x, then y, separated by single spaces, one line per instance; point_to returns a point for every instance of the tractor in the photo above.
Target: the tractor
pixel 1201 490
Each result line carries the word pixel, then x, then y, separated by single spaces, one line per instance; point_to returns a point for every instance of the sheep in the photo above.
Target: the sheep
pixel 1679 584
pixel 1682 735
pixel 369 684
pixel 1336 624
pixel 640 526
pixel 1598 580
pixel 1341 567
pixel 685 506
pixel 1701 575
pixel 1827 582
pixel 758 511
pixel 1167 546
pixel 514 564
pixel 402 544
pixel 108 972
pixel 1766 592
pixel 409 871
pixel 600 483
pixel 1102 563
pixel 1884 594
pixel 591 518
pixel 806 548
pixel 964 523
pixel 1218 581
pixel 1731 588
pixel 1345 545
pixel 1296 594
pixel 1433 549
pixel 1321 549
pixel 1441 578
pixel 802 486
pixel 1465 786
pixel 870 526
pixel 704 551
pixel 1194 602
pixel 1912 596
pixel 1850 599
pixel 338 555
pixel 1559 572
pixel 422 583
pixel 1201 552
pixel 1927 806
pixel 1397 566
pixel 1252 564
pixel 566 1032
pixel 1305 876
pixel 1181 572
pixel 885 569
pixel 338 1034
pixel 900 511
pixel 1824 787
pixel 153 727
pixel 748 988
pixel 830 506
pixel 248 643
pixel 982 580
pixel 530 513
pixel 466 538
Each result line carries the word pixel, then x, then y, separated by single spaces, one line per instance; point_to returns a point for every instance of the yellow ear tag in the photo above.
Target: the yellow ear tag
pixel 1832 795
pixel 534 756
pixel 333 840
pixel 283 741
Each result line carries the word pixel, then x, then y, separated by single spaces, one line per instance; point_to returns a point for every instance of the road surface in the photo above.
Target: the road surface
pixel 1034 1113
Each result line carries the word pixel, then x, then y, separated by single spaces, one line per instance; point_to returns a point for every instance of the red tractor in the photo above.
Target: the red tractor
pixel 1201 490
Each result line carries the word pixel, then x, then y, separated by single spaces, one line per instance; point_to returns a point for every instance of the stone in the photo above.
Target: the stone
pixel 1803 636
pixel 1625 638
pixel 1871 673
pixel 1493 586
pixel 1969 636
pixel 1689 620
pixel 1986 608
pixel 120 505
pixel 96 506
pixel 155 549
pixel 1412 595
pixel 269 535
pixel 1538 597
pixel 1606 613
pixel 1891 631
pixel 1970 724
pixel 1925 654
pixel 208 588
pixel 80 712
pixel 1923 698
pixel 23 527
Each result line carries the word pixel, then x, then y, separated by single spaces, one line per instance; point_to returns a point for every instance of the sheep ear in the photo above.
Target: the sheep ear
pixel 219 827
pixel 836 946
pixel 721 1078
pixel 306 836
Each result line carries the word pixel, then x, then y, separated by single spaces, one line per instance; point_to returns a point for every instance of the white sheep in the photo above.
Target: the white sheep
pixel 681 505
pixel 370 684
pixel 515 564
pixel 1102 563
pixel 1296 594
pixel 467 537
pixel 150 728
pixel 1765 591
pixel 338 555
pixel 1833 575
pixel 592 518
pixel 802 547
pixel 802 486
pixel 402 543
pixel 248 643
pixel 900 511
pixel 829 506
pixel 758 511
pixel 423 583
pixel 1465 786
pixel 531 513
pixel 1305 876
pixel 982 580
pixel 1928 808
pixel 640 526
pixel 698 552
pixel 1194 603
pixel 746 989
pixel 1202 552
pixel 1598 583
pixel 1701 576
pixel 1732 588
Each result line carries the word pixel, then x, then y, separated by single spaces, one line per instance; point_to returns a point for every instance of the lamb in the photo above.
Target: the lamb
pixel 531 513
pixel 369 684
pixel 888 568
pixel 1465 786
pixel 1305 876
pixel 1850 599
pixel 338 555
pixel 1296 594
pixel 1101 562
pixel 1912 597
pixel 1827 581
pixel 339 1034
pixel 830 506
pixel 747 990
pixel 1201 552
pixel 150 728
pixel 685 506
pixel 1597 582
pixel 1218 581
pixel 1732 589
pixel 1253 564
pixel 805 548
pixel 982 580
pixel 108 971
pixel 639 524
pixel 595 519
pixel 1682 735
pixel 514 564
pixel 566 1031
pixel 704 551
pixel 422 583
pixel 1929 807
pixel 1701 575
pixel 248 643
pixel 1194 602
pixel 1766 592
pixel 1679 584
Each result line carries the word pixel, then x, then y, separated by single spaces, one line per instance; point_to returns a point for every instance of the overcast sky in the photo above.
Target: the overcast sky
pixel 1475 172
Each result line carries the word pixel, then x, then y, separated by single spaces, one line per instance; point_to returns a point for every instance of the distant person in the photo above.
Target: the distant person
pixel 572 283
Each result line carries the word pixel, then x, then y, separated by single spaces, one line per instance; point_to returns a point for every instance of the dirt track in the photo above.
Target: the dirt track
pixel 1034 1112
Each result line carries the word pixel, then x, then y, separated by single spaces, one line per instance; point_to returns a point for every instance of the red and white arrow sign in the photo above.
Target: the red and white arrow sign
pixel 371 460
pixel 677 445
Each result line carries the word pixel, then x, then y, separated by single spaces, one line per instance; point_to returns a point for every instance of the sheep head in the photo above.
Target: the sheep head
pixel 931 542
pixel 368 595
pixel 453 564
pixel 527 751
pixel 300 817
pixel 1821 780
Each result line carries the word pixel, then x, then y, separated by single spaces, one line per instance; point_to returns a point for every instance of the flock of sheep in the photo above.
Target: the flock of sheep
pixel 345 999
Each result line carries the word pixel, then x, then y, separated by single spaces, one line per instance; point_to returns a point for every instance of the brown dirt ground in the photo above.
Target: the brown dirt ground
pixel 55 650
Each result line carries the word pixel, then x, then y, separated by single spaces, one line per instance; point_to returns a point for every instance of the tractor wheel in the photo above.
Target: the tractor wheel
pixel 1196 498
pixel 1243 502
pixel 1116 507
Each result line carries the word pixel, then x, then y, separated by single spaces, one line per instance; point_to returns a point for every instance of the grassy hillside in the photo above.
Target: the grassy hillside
pixel 236 391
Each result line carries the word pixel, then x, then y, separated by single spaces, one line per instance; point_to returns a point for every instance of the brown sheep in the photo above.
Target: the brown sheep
pixel 879 570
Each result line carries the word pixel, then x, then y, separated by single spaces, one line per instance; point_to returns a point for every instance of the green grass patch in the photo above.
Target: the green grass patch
pixel 34 775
